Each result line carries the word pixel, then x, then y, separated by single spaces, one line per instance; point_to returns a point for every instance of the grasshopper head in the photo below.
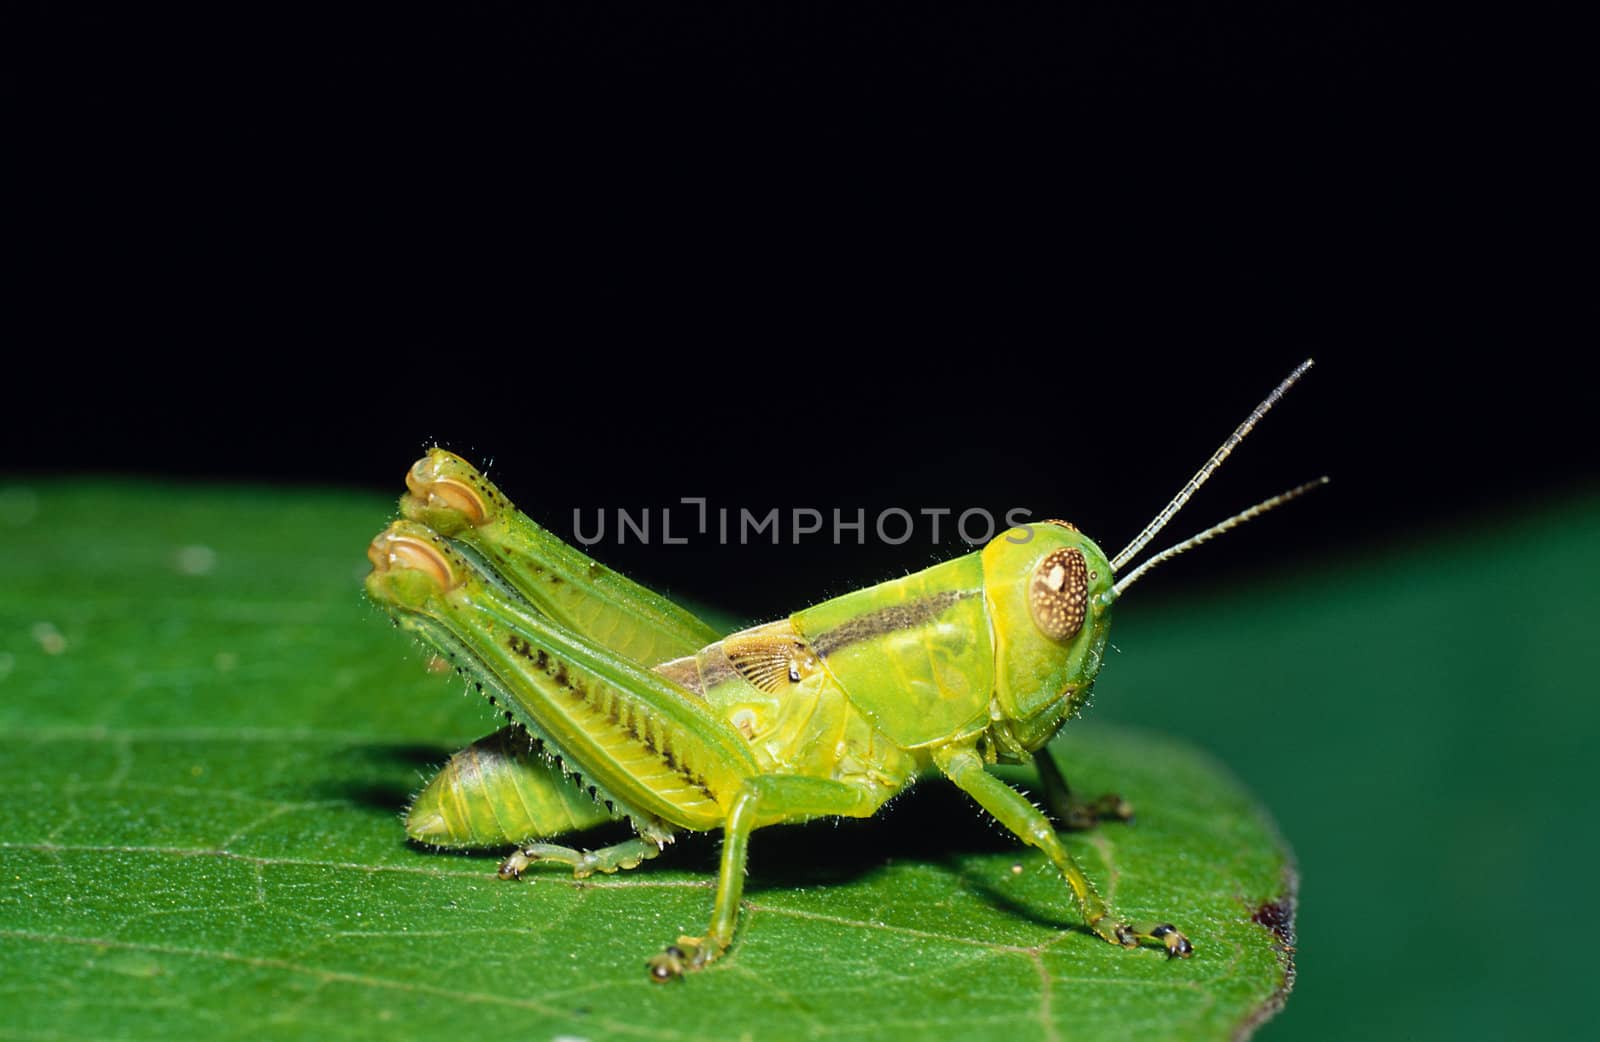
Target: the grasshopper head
pixel 1050 592
pixel 1049 589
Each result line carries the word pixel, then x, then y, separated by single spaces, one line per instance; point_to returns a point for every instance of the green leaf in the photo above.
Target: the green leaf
pixel 209 737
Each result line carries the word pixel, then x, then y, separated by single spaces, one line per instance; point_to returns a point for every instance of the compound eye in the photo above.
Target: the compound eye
pixel 1058 597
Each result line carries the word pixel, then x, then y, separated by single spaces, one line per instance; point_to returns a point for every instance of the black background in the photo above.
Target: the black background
pixel 813 255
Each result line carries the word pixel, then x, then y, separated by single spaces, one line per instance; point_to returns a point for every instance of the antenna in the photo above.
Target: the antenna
pixel 1216 530
pixel 1172 508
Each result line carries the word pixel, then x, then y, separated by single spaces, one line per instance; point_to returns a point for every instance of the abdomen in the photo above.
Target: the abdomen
pixel 499 791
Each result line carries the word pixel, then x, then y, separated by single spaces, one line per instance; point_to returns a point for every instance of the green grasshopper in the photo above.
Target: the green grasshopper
pixel 623 705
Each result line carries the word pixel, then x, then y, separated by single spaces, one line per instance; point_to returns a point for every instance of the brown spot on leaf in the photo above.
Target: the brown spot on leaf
pixel 1277 916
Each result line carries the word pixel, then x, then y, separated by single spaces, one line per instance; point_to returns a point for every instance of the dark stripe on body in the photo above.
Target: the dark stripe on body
pixel 887 620
pixel 694 674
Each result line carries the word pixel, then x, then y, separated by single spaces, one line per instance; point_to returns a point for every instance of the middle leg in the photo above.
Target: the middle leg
pixel 762 800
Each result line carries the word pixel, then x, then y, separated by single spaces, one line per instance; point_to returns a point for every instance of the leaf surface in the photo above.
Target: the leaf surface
pixel 209 737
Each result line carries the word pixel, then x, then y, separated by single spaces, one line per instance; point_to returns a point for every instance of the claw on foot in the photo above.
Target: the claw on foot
pixel 669 965
pixel 688 955
pixel 1176 944
pixel 513 866
pixel 519 861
